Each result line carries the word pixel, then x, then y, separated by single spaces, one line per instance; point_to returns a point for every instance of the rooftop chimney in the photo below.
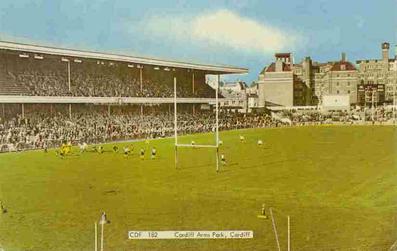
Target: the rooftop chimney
pixel 279 65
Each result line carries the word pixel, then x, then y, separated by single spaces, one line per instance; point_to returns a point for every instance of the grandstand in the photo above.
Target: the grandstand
pixel 43 71
pixel 39 83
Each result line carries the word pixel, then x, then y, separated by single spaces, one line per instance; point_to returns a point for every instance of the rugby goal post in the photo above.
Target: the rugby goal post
pixel 216 145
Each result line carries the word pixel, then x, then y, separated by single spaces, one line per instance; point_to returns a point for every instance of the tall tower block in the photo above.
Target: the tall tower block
pixel 385 51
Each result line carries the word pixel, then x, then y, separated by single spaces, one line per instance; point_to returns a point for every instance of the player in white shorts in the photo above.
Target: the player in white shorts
pixel 154 152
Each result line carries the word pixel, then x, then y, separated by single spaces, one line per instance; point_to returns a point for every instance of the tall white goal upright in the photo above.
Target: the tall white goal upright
pixel 216 145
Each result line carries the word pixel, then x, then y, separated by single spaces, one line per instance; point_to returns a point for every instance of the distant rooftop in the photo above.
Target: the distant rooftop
pixel 374 60
pixel 343 66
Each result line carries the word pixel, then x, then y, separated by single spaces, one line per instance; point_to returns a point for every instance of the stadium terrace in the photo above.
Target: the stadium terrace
pixel 52 95
pixel 73 76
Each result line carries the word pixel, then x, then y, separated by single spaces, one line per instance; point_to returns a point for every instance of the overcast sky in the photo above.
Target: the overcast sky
pixel 243 33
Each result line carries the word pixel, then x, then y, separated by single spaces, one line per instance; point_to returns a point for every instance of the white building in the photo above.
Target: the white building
pixel 340 102
pixel 235 96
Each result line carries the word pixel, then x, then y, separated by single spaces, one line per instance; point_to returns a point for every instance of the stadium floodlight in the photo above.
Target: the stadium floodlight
pixel 38 57
pixel 130 66
pixel 23 55
pixel 156 68
pixel 77 61
pixel 65 60
pixel 167 69
pixel 216 145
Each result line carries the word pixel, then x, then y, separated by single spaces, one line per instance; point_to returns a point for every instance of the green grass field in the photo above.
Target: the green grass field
pixel 339 184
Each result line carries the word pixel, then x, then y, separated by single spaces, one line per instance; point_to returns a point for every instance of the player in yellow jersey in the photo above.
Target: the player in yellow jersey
pixel 68 148
pixel 62 150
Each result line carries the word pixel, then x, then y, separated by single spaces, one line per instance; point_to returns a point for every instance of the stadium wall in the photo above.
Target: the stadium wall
pixel 8 99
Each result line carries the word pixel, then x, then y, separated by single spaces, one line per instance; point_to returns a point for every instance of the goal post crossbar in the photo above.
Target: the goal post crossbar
pixel 216 146
pixel 196 146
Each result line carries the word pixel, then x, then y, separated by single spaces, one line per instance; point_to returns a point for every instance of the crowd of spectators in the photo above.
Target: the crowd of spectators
pixel 40 128
pixel 91 78
pixel 378 115
pixel 37 130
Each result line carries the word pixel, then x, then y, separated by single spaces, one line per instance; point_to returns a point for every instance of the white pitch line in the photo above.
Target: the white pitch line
pixel 393 247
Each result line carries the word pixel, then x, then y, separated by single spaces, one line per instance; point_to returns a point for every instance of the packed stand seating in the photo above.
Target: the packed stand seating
pixel 43 125
pixel 8 85
pixel 49 76
pixel 378 115
pixel 40 128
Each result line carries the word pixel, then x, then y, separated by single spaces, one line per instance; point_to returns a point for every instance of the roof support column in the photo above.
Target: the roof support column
pixel 69 76
pixel 141 77
pixel 23 110
pixel 66 60
pixel 193 83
